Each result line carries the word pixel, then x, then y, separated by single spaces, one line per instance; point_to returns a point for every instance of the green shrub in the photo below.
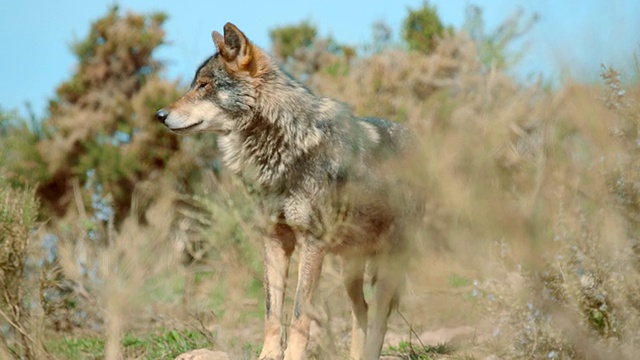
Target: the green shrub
pixel 495 47
pixel 101 128
pixel 286 40
pixel 422 27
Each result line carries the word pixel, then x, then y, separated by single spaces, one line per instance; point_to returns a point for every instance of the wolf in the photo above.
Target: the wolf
pixel 324 182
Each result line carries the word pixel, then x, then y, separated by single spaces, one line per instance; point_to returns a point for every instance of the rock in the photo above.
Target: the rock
pixel 203 354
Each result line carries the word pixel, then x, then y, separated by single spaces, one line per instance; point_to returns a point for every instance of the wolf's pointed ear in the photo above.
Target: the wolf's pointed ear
pixel 235 40
pixel 218 40
pixel 237 51
pixel 233 44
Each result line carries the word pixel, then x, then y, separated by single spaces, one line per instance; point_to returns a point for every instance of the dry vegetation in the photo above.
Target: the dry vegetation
pixel 529 247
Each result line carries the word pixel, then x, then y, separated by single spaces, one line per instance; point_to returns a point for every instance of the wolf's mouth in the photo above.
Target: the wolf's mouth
pixel 186 128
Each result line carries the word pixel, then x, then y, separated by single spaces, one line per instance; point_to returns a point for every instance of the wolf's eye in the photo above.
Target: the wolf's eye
pixel 202 85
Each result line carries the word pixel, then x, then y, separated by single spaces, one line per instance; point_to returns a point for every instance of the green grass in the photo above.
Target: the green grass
pixel 411 351
pixel 160 345
pixel 457 281
pixel 77 348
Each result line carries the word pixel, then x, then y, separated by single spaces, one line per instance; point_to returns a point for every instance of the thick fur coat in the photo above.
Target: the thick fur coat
pixel 323 178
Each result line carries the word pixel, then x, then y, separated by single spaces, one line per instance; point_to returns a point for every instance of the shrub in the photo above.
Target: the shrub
pixel 581 303
pixel 286 40
pixel 422 27
pixel 102 129
pixel 18 211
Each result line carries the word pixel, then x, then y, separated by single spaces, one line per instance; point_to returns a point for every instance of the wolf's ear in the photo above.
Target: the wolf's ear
pixel 236 49
pixel 218 40
pixel 233 44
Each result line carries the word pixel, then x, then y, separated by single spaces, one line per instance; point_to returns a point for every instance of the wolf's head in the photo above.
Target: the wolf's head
pixel 224 89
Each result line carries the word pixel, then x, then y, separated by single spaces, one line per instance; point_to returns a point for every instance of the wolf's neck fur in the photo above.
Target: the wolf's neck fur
pixel 283 128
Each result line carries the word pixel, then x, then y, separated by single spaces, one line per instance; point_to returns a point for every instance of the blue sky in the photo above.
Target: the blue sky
pixel 572 38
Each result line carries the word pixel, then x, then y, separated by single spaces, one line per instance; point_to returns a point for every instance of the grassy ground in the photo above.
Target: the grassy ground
pixel 163 344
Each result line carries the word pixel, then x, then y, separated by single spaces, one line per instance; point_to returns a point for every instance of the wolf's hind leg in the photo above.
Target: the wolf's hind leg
pixel 277 253
pixel 353 277
pixel 390 277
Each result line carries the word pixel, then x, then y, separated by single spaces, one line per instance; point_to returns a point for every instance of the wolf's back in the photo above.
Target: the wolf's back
pixel 394 137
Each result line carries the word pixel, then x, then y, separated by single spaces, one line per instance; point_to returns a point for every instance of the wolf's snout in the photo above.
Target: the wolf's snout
pixel 161 115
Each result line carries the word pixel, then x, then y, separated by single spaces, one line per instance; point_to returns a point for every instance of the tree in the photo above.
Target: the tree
pixel 287 39
pixel 20 162
pixel 421 28
pixel 101 139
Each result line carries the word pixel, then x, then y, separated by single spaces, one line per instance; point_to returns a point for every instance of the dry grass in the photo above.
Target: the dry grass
pixel 18 210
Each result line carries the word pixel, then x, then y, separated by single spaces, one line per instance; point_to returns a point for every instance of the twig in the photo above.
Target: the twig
pixel 78 198
pixel 18 327
pixel 411 329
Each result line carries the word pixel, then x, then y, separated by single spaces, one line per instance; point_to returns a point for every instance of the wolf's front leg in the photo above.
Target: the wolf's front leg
pixel 311 258
pixel 277 253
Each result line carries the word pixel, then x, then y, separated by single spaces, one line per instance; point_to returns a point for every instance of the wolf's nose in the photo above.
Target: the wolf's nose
pixel 161 115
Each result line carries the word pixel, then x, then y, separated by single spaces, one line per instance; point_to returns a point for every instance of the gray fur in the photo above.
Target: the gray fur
pixel 318 168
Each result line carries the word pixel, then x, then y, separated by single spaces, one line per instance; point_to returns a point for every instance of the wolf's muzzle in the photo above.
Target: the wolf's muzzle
pixel 161 115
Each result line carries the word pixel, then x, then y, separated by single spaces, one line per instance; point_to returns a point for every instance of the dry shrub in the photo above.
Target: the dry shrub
pixel 396 84
pixel 101 125
pixel 581 304
pixel 18 210
pixel 498 161
pixel 220 232
pixel 579 300
pixel 118 280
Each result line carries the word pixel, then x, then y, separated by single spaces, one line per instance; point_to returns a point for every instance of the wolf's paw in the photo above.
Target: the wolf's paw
pixel 270 355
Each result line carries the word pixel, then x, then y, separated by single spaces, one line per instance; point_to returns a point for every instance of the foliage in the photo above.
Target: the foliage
pixel 21 163
pixel 579 303
pixel 391 82
pixel 422 27
pixel 303 53
pixel 494 47
pixel 286 40
pixel 7 120
pixel 101 129
pixel 100 153
pixel 381 34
